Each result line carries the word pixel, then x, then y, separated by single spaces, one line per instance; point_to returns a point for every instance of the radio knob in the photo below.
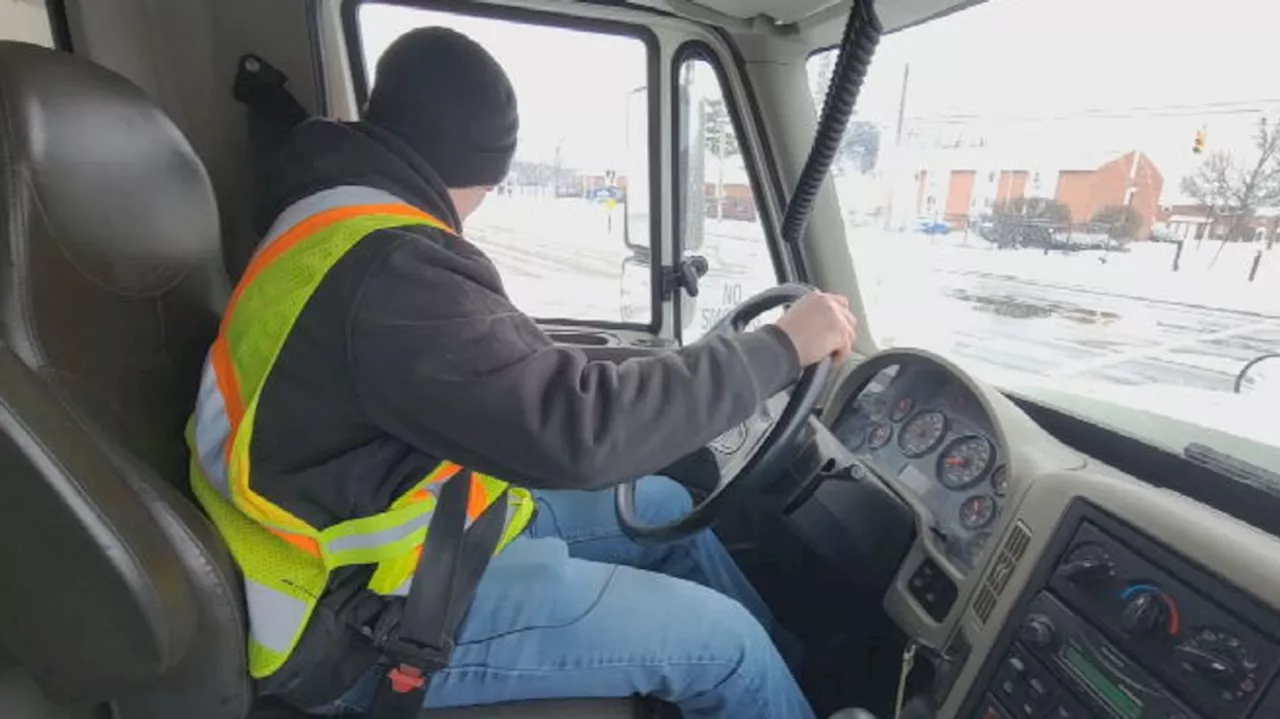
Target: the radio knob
pixel 1209 664
pixel 1087 570
pixel 1038 631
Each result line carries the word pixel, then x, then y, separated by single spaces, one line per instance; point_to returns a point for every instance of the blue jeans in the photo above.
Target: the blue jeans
pixel 577 609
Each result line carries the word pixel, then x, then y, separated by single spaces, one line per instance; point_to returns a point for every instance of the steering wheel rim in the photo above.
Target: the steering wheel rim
pixel 774 444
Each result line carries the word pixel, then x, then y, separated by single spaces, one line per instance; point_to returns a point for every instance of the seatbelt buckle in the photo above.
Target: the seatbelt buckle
pixel 403 679
pixel 413 663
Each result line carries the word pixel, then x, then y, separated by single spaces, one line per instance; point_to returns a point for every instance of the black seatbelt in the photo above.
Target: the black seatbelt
pixel 444 584
pixel 273 110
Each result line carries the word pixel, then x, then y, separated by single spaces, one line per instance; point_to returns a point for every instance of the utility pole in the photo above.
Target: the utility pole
pixel 897 143
pixel 902 103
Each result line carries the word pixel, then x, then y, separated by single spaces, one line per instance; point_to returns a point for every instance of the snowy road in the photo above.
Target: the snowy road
pixel 1127 321
pixel 1053 331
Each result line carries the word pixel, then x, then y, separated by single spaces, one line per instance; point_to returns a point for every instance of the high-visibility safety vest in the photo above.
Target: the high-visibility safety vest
pixel 286 562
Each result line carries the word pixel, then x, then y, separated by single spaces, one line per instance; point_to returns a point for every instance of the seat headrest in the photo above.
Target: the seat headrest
pixel 115 274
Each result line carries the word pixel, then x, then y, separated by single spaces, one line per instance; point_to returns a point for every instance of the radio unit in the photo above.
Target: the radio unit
pixel 1117 627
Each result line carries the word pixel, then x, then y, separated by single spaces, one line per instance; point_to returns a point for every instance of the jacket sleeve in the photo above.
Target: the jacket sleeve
pixel 447 364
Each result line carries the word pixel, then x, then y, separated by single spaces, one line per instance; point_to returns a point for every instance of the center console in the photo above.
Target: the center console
pixel 1114 626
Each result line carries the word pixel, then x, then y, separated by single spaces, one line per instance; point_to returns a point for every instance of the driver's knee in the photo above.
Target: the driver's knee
pixel 661 500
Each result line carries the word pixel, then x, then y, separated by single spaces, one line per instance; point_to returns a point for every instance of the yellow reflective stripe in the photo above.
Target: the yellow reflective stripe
pixel 368 540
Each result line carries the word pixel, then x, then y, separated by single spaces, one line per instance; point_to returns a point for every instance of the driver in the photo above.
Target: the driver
pixel 369 357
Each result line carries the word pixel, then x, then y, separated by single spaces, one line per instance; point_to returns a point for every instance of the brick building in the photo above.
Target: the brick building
pixel 969 184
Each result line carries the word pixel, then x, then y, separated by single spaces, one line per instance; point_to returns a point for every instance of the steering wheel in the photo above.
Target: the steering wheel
pixel 759 447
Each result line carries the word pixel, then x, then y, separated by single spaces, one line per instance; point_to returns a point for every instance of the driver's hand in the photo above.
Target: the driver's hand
pixel 820 325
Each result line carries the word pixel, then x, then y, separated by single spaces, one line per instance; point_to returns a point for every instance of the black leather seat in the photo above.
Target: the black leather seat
pixel 114 588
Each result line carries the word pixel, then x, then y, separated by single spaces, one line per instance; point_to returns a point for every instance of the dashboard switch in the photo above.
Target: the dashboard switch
pixel 933 589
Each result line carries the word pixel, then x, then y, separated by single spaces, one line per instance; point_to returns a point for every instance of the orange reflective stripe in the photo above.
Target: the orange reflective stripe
pixel 306 544
pixel 224 370
pixel 478 500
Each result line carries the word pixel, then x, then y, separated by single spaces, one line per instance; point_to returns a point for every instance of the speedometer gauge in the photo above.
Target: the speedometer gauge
pixel 965 461
pixel 922 433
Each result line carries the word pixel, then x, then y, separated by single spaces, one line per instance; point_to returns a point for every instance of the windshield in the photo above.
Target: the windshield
pixel 1078 200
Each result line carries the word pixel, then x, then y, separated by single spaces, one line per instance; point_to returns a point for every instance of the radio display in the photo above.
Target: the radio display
pixel 1119 700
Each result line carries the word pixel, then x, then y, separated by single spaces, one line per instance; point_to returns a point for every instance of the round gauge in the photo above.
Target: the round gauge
pixel 901 409
pixel 880 436
pixel 965 461
pixel 977 511
pixel 852 435
pixel 1000 481
pixel 922 433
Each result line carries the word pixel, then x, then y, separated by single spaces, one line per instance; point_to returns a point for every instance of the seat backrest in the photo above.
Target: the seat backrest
pixel 114 587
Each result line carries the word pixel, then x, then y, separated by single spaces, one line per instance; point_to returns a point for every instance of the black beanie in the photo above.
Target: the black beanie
pixel 446 96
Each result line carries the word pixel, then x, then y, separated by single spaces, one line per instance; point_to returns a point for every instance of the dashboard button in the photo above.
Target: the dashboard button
pixel 1066 708
pixel 991 710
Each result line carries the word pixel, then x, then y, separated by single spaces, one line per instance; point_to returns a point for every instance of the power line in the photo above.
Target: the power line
pixel 1121 113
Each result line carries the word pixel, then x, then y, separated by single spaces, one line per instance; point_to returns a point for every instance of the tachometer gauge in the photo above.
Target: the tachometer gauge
pixel 1000 481
pixel 901 409
pixel 965 461
pixel 977 511
pixel 922 433
pixel 880 436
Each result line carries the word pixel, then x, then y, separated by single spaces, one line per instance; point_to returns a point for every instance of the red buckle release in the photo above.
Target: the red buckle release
pixel 405 679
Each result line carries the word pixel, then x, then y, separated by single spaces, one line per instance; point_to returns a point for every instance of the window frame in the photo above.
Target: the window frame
pixel 694 50
pixel 350 10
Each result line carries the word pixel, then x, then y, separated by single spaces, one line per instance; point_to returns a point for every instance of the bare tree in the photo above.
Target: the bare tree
pixel 1236 188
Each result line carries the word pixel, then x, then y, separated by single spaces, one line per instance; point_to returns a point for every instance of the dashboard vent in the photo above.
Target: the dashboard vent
pixel 1015 545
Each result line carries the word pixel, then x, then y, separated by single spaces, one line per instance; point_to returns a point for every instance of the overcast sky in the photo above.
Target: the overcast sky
pixel 1091 76
pixel 572 87
pixel 1077 78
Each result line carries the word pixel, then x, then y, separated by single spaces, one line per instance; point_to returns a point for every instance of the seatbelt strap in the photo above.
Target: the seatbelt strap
pixel 444 584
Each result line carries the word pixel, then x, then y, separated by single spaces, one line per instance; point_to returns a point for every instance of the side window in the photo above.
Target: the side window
pixel 718 205
pixel 26 21
pixel 555 228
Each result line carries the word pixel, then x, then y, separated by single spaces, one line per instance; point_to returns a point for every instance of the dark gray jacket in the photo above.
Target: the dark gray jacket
pixel 410 351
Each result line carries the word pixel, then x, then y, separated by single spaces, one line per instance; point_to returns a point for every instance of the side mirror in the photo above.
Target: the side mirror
pixel 1260 375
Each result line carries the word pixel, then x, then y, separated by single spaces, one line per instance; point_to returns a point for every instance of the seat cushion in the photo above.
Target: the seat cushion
pixel 547 709
pixel 626 708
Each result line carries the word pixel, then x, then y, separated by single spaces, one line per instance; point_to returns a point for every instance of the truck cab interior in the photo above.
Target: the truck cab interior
pixel 949 537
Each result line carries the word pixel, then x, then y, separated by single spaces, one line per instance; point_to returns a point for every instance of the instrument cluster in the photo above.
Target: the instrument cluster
pixel 922 426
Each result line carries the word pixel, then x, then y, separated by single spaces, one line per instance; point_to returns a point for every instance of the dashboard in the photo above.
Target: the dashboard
pixel 1039 582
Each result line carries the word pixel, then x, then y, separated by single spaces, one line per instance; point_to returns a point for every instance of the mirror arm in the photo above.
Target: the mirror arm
pixel 1244 371
pixel 685 275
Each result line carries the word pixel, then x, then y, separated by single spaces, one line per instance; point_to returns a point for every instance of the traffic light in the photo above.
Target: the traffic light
pixel 1201 138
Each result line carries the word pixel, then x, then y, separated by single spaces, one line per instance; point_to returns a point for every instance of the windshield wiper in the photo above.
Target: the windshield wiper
pixel 1233 467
